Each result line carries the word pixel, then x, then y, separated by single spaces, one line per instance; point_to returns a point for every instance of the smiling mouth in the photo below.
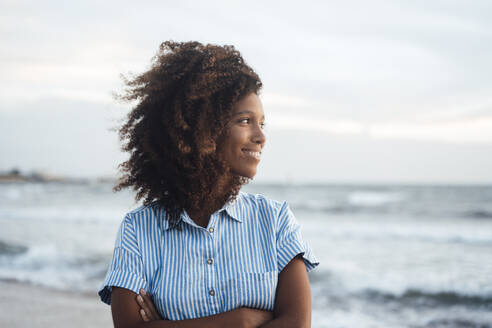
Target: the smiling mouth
pixel 254 154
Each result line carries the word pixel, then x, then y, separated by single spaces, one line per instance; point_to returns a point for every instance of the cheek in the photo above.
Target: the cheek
pixel 237 138
pixel 228 151
pixel 235 141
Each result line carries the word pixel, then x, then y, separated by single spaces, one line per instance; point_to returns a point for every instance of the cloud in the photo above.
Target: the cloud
pixel 473 130
pixel 463 130
pixel 384 72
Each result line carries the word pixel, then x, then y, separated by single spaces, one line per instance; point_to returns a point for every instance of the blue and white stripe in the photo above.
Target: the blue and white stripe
pixel 193 272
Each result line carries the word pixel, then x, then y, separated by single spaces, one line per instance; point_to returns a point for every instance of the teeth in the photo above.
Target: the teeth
pixel 255 154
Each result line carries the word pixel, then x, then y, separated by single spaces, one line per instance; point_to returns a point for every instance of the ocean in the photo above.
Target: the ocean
pixel 391 255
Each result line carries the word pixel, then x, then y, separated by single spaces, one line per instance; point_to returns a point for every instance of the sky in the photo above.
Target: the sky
pixel 354 91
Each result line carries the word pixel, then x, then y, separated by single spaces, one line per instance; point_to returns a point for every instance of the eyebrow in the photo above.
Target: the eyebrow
pixel 247 112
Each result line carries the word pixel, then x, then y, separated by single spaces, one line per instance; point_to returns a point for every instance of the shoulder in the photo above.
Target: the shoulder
pixel 140 225
pixel 261 203
pixel 144 214
pixel 144 209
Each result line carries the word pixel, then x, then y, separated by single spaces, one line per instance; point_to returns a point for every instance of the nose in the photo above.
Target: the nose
pixel 259 136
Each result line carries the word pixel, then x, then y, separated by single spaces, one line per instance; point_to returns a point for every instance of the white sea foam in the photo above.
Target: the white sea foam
pixel 48 265
pixel 71 213
pixel 373 198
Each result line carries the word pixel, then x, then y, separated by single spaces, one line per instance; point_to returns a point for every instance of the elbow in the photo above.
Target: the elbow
pixel 135 325
pixel 301 324
pixel 294 321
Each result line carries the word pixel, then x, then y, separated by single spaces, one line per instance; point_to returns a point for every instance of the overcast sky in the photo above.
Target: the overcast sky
pixel 354 91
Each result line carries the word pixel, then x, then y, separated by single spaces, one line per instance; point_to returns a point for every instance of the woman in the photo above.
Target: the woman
pixel 200 253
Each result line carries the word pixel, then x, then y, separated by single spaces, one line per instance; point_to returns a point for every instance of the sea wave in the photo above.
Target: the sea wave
pixel 478 214
pixel 11 249
pixel 379 233
pixel 422 298
pixel 47 265
pixel 373 198
pixel 63 213
pixel 454 323
pixel 396 210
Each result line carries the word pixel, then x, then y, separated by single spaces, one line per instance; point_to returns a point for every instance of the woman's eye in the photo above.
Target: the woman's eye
pixel 247 121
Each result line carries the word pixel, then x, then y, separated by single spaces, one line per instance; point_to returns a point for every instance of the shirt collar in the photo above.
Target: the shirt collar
pixel 232 208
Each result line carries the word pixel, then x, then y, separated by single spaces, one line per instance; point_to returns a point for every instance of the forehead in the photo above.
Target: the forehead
pixel 249 104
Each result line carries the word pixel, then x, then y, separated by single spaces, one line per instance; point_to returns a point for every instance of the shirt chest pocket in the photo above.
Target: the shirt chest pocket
pixel 254 290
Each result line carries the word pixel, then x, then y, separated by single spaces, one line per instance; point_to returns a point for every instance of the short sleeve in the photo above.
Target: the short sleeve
pixel 290 242
pixel 126 268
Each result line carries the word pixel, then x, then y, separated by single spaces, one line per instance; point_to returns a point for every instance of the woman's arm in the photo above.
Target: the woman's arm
pixel 293 299
pixel 126 314
pixel 292 307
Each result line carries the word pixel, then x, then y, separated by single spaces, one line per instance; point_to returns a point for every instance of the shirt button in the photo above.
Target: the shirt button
pixel 210 261
pixel 211 229
pixel 212 292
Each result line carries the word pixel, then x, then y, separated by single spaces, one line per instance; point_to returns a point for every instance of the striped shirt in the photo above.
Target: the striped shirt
pixel 192 272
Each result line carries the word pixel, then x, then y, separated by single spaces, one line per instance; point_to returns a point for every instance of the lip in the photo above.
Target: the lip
pixel 253 150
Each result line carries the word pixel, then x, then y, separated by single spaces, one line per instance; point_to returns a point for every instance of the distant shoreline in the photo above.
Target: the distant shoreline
pixel 41 178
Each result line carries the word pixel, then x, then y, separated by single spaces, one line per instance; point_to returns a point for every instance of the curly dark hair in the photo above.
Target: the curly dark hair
pixel 173 133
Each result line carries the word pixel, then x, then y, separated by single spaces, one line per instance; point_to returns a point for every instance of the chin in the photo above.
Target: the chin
pixel 246 174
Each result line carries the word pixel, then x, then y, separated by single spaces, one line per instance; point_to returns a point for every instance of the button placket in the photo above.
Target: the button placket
pixel 212 283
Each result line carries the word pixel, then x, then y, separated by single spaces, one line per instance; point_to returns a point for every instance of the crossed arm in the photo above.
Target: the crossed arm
pixel 292 307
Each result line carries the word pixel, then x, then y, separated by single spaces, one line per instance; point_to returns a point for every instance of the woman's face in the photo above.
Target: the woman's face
pixel 245 138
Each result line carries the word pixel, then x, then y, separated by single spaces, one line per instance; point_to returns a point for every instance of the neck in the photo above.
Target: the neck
pixel 221 191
